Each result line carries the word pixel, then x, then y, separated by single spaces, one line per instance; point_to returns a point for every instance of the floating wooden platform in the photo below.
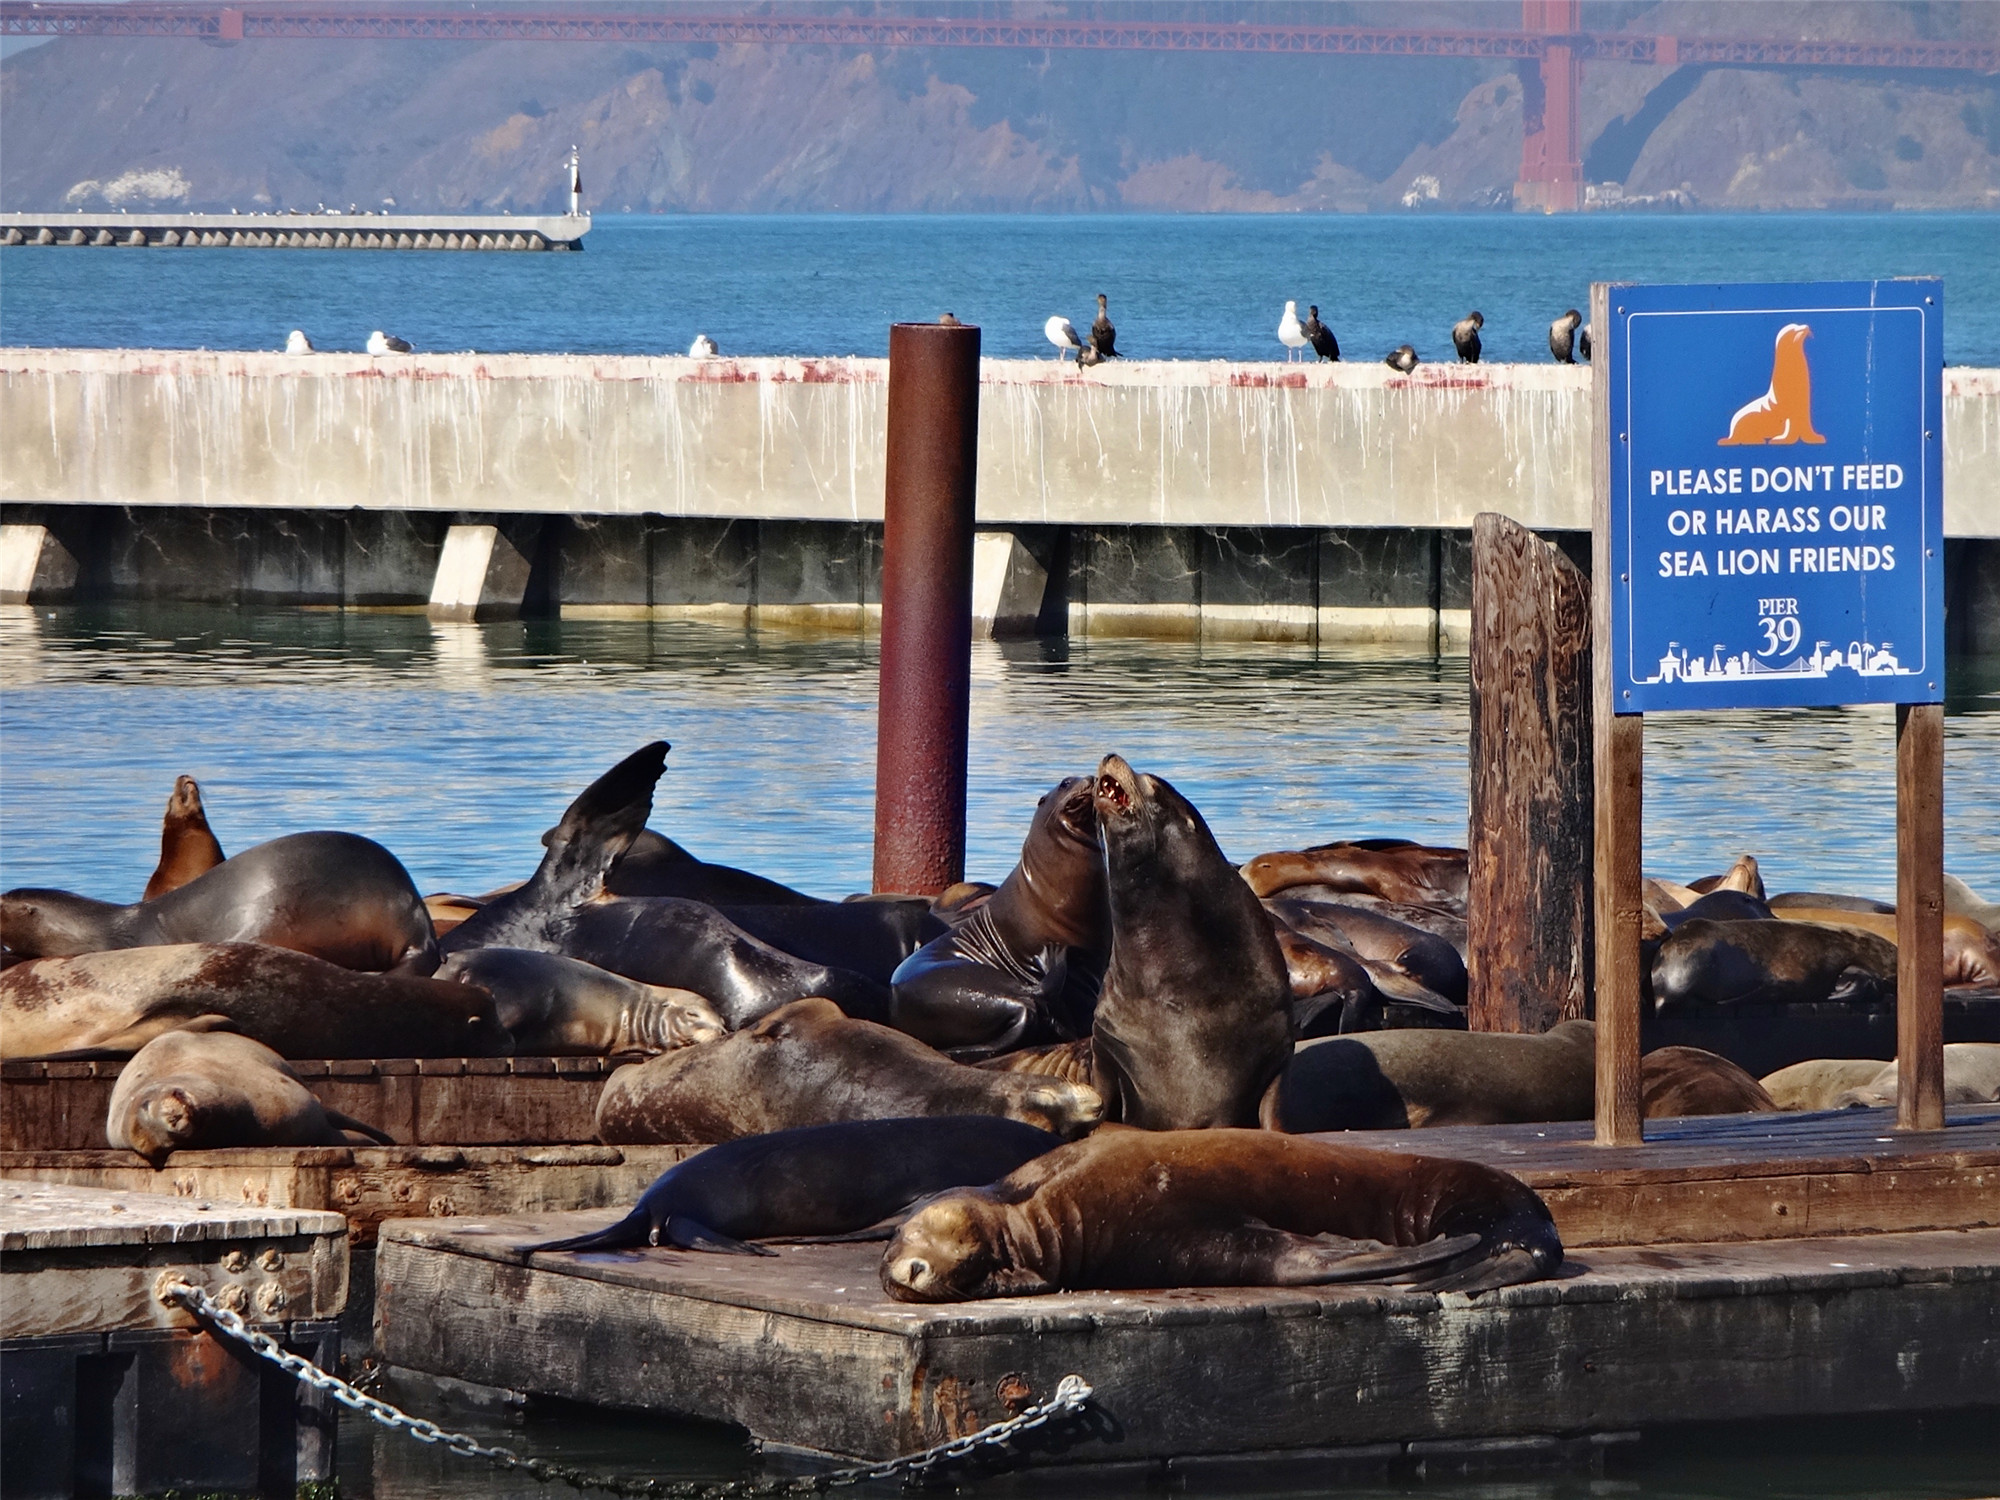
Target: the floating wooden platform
pixel 457 1101
pixel 110 1390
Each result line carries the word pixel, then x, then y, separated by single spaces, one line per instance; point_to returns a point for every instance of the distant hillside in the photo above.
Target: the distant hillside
pixel 431 125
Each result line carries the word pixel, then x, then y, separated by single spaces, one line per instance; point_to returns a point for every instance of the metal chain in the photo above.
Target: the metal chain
pixel 1071 1395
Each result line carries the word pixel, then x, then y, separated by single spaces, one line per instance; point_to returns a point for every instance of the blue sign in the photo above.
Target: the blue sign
pixel 1776 516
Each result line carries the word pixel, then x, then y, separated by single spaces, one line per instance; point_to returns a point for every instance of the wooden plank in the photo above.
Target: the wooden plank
pixel 1919 915
pixel 1529 951
pixel 1617 749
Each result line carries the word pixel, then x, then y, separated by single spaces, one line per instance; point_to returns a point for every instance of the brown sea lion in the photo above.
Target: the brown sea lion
pixel 1742 876
pixel 1770 963
pixel 1377 939
pixel 1962 900
pixel 1971 1076
pixel 666 941
pixel 1678 1081
pixel 1073 1062
pixel 203 1091
pixel 562 1007
pixel 808 1064
pixel 1022 968
pixel 1828 901
pixel 113 1003
pixel 1971 953
pixel 813 1182
pixel 1815 1084
pixel 1392 868
pixel 187 846
pixel 336 896
pixel 1195 1016
pixel 1129 1208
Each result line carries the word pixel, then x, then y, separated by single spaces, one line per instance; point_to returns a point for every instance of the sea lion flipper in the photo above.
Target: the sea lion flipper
pixel 691 1234
pixel 340 1121
pixel 1326 1258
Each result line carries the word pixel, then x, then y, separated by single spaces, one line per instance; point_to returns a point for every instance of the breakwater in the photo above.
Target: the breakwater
pixel 1184 498
pixel 317 231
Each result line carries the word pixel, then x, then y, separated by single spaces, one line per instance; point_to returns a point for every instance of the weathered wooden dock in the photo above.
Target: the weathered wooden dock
pixel 1762 1298
pixel 111 1389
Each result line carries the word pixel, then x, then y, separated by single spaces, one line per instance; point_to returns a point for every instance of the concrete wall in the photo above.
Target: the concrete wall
pixel 1175 444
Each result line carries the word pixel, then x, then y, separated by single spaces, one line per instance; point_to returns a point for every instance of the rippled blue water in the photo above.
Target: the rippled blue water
pixel 1181 287
pixel 458 745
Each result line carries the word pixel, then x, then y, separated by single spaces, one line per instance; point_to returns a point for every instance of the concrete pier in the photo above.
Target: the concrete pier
pixel 316 231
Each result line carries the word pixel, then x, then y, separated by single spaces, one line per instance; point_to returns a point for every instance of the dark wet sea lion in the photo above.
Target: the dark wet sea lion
pixel 818 1180
pixel 1392 868
pixel 1770 963
pixel 1440 921
pixel 113 1003
pixel 1682 1081
pixel 1422 956
pixel 562 1007
pixel 1131 1209
pixel 187 845
pixel 666 941
pixel 1718 906
pixel 655 865
pixel 870 938
pixel 202 1091
pixel 1021 968
pixel 337 896
pixel 1971 954
pixel 807 1064
pixel 1195 1016
pixel 1785 900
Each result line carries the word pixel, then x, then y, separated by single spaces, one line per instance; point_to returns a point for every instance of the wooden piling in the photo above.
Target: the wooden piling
pixel 1529 953
pixel 1919 916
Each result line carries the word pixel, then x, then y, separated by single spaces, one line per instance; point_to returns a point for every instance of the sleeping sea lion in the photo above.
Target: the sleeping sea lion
pixel 665 941
pixel 202 1091
pixel 1718 906
pixel 1828 901
pixel 187 846
pixel 1022 967
pixel 1971 1076
pixel 1682 1081
pixel 1130 1208
pixel 869 936
pixel 1379 940
pixel 336 896
pixel 816 1181
pixel 1195 1016
pixel 1971 953
pixel 113 1003
pixel 1814 1084
pixel 655 865
pixel 807 1064
pixel 1770 963
pixel 1392 868
pixel 1440 921
pixel 562 1007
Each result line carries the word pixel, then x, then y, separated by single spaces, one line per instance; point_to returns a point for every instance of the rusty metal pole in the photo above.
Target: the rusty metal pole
pixel 926 682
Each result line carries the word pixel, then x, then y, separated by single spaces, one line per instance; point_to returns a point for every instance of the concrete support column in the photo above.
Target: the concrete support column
pixel 480 576
pixel 1008 586
pixel 35 568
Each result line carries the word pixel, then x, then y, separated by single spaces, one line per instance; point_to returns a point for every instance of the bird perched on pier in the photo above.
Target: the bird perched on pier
pixel 703 347
pixel 1290 333
pixel 1103 337
pixel 1324 344
pixel 1062 333
pixel 1562 338
pixel 1087 356
pixel 1465 337
pixel 296 342
pixel 1404 359
pixel 387 343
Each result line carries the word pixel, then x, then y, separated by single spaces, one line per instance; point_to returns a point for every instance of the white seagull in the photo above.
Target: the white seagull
pixel 703 347
pixel 387 343
pixel 296 342
pixel 1290 332
pixel 1062 333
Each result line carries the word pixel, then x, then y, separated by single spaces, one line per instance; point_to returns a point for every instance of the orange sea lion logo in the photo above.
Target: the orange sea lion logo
pixel 1783 414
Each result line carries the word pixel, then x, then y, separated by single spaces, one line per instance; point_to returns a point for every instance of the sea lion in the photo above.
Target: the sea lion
pixel 1829 901
pixel 1962 900
pixel 1021 968
pixel 655 865
pixel 336 896
pixel 1718 906
pixel 1194 1018
pixel 1783 414
pixel 1394 869
pixel 1971 953
pixel 815 1181
pixel 562 1007
pixel 187 845
pixel 1681 1081
pixel 808 1064
pixel 1770 963
pixel 1742 876
pixel 202 1091
pixel 1129 1208
pixel 871 937
pixel 1971 1076
pixel 1815 1084
pixel 1440 921
pixel 665 941
pixel 113 1003
pixel 1378 940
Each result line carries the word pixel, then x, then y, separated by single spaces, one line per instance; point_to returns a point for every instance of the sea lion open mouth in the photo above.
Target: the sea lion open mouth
pixel 1116 787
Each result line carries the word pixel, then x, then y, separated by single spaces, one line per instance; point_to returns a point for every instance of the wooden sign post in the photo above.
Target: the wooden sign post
pixel 1767 531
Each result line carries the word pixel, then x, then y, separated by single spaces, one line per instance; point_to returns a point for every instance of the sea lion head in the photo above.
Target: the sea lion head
pixel 957 1248
pixel 163 1118
pixel 1144 821
pixel 53 924
pixel 1062 864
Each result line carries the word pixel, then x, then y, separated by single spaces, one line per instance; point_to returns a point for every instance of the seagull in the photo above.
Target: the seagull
pixel 1404 359
pixel 296 342
pixel 1062 333
pixel 1290 334
pixel 387 343
pixel 1325 345
pixel 1562 337
pixel 1465 337
pixel 1103 337
pixel 703 347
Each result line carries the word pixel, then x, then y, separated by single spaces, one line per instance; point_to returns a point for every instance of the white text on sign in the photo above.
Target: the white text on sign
pixel 1782 480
